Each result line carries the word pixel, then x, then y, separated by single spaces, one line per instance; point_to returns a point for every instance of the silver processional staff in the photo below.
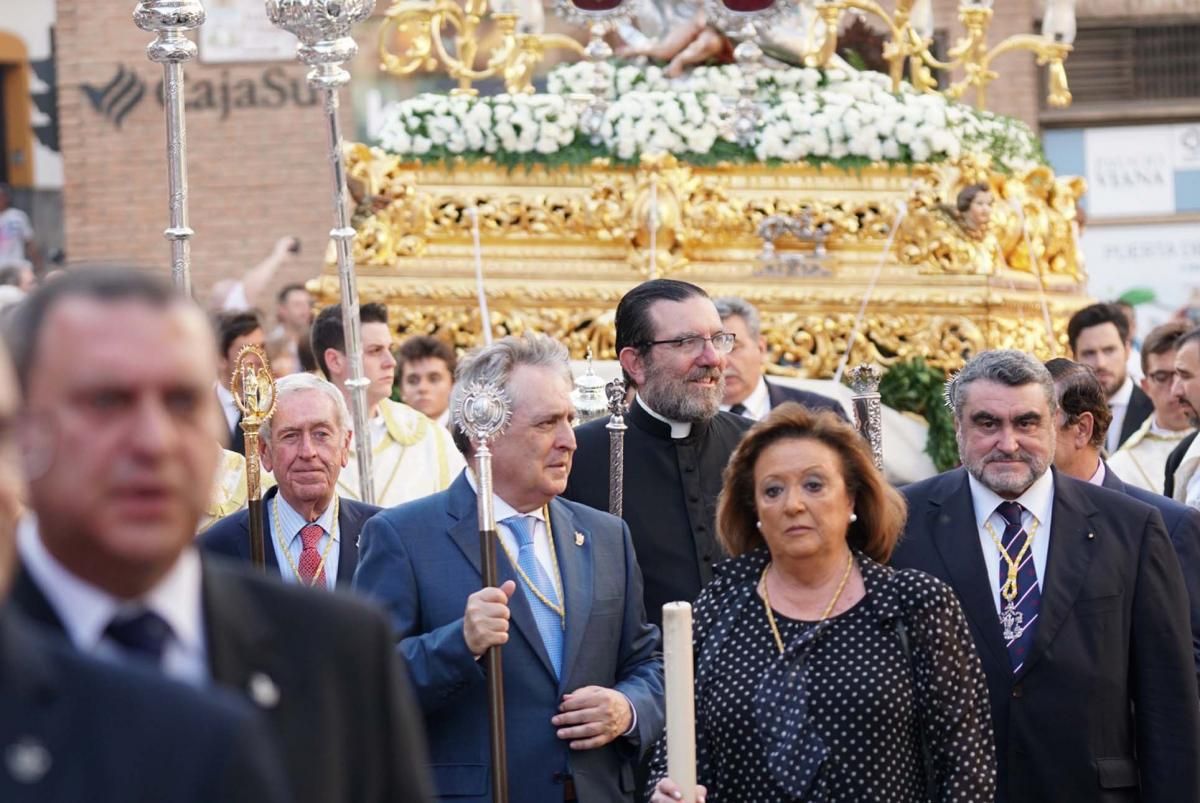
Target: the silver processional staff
pixel 323 29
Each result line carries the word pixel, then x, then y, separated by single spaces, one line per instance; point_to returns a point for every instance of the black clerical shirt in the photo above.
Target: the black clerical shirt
pixel 671 487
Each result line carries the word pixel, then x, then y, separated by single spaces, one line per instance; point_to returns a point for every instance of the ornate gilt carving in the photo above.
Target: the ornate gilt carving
pixel 560 247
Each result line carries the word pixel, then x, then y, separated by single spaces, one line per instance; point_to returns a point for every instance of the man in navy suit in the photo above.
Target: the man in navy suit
pixel 1074 597
pixel 1084 418
pixel 747 391
pixel 74 729
pixel 311 534
pixel 116 426
pixel 582 678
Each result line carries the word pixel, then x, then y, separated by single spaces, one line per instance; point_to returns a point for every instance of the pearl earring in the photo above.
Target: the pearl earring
pixel 758 524
pixel 853 517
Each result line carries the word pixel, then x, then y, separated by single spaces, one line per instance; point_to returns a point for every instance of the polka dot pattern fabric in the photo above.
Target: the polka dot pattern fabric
pixel 840 715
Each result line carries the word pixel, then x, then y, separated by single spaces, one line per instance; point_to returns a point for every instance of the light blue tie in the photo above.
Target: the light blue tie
pixel 549 624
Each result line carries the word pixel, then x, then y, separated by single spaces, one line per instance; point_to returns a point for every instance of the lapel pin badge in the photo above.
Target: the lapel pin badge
pixel 263 690
pixel 1091 536
pixel 27 760
pixel 579 539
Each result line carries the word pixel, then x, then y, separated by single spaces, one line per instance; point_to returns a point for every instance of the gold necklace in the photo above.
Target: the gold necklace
pixel 560 609
pixel 1009 589
pixel 287 553
pixel 766 598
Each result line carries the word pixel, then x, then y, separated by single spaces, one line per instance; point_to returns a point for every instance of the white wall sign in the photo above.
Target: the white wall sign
pixel 1164 258
pixel 239 31
pixel 1130 170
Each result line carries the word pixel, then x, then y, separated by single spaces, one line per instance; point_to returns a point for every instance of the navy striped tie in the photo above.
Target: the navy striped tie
pixel 1029 596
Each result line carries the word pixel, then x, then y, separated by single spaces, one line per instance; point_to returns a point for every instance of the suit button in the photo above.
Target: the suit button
pixel 1017 690
pixel 689 469
pixel 708 558
pixel 694 498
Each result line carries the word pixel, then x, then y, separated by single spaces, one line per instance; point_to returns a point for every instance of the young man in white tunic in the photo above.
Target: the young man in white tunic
pixel 411 455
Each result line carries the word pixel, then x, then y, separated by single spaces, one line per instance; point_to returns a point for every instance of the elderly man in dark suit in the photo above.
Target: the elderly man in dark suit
pixel 583 682
pixel 1083 421
pixel 312 532
pixel 1075 600
pixel 117 424
pixel 747 391
pixel 72 728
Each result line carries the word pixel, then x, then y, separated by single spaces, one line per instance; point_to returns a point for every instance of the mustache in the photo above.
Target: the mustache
pixel 704 372
pixel 997 456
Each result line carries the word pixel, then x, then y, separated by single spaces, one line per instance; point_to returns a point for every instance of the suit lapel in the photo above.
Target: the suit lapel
pixel 576 566
pixel 243 653
pixel 31 709
pixel 465 534
pixel 271 560
pixel 952 522
pixel 29 599
pixel 349 525
pixel 773 395
pixel 1066 565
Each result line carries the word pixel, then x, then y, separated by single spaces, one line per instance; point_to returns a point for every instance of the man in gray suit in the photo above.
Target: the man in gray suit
pixel 582 678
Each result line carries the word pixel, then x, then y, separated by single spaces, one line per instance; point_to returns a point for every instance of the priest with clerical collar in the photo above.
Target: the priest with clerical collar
pixel 673 349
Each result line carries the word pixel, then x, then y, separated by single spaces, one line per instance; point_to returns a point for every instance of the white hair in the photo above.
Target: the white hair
pixel 300 383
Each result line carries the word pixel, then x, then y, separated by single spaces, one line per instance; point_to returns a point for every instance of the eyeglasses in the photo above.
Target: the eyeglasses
pixel 722 343
pixel 1161 377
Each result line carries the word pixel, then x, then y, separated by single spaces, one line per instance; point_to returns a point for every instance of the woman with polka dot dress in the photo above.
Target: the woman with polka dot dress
pixel 822 675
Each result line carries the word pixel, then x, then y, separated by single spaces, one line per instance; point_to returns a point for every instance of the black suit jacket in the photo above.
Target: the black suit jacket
pixel 114 735
pixel 1173 461
pixel 1104 707
pixel 1140 408
pixel 230 536
pixel 1183 528
pixel 344 716
pixel 778 394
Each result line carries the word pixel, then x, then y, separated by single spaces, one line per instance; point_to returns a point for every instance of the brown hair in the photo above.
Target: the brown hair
pixel 1162 339
pixel 880 508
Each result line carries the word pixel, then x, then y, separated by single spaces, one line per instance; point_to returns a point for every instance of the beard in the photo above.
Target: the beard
pixel 1008 482
pixel 679 399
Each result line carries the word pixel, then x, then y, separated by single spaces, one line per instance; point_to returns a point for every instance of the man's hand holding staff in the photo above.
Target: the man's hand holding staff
pixel 483 414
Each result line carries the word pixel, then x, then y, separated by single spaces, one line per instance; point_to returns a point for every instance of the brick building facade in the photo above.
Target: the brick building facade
pixel 257 162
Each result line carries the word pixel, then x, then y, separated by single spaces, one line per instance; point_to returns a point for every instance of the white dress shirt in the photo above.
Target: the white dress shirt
pixel 758 403
pixel 86 611
pixel 290 524
pixel 541 538
pixel 679 429
pixel 1038 501
pixel 1119 404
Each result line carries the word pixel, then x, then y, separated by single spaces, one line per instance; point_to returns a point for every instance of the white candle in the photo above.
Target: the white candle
pixel 681 701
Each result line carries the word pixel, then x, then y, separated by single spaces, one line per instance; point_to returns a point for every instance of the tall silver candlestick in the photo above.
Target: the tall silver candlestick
pixel 323 29
pixel 482 414
pixel 616 445
pixel 868 408
pixel 170 20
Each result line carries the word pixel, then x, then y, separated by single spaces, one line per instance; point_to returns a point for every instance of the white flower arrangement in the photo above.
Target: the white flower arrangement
pixel 835 115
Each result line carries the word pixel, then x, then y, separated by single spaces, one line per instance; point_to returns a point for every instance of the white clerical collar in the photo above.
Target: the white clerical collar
pixel 503 510
pixel 1038 499
pixel 679 429
pixel 1123 395
pixel 86 610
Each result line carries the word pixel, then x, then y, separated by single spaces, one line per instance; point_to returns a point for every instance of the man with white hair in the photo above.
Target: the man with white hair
pixel 313 533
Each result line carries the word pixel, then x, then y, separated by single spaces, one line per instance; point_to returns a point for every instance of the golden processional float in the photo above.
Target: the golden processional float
pixel 827 196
